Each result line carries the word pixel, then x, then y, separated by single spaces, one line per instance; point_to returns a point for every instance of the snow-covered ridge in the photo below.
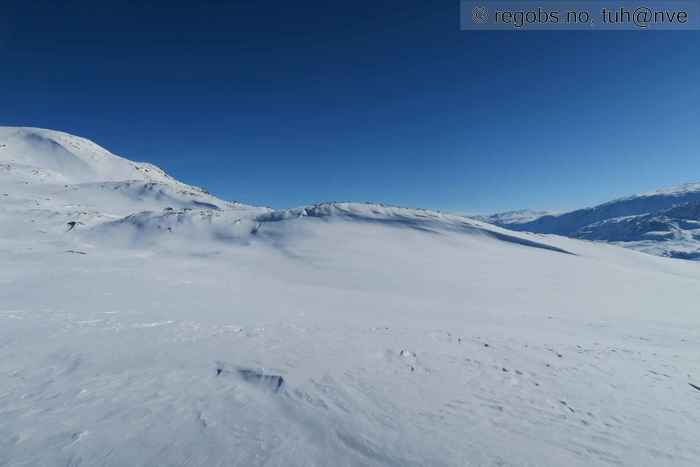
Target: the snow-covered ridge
pixel 419 219
pixel 246 223
pixel 367 211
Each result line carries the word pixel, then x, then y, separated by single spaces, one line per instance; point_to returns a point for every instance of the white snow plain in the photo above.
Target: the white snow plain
pixel 144 322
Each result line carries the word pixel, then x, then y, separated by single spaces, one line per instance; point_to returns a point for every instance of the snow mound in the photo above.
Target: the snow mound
pixel 195 226
pixel 242 223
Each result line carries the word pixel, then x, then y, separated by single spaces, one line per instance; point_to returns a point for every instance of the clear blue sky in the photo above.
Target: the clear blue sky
pixel 286 103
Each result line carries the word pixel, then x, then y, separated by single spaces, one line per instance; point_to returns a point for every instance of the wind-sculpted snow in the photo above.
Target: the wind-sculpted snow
pixel 144 322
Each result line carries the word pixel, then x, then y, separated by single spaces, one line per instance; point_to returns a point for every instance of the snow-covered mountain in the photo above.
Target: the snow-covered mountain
pixel 57 177
pixel 54 156
pixel 521 216
pixel 571 222
pixel 145 322
pixel 663 222
pixel 673 232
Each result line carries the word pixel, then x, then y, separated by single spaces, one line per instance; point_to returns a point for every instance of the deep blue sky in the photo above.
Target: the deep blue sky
pixel 286 103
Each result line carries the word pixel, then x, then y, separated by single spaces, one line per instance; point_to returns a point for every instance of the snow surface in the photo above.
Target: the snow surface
pixel 144 322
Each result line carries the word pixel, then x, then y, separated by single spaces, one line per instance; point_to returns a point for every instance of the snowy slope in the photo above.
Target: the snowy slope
pixel 335 334
pixel 49 178
pixel 655 222
pixel 71 159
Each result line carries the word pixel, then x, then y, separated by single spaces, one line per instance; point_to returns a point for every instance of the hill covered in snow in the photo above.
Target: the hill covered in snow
pixel 54 156
pixel 145 322
pixel 664 222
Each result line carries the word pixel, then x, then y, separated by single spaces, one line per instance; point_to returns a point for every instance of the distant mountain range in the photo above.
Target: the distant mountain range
pixel 665 222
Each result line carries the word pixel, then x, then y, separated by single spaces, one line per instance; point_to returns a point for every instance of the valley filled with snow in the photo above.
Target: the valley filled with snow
pixel 146 322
